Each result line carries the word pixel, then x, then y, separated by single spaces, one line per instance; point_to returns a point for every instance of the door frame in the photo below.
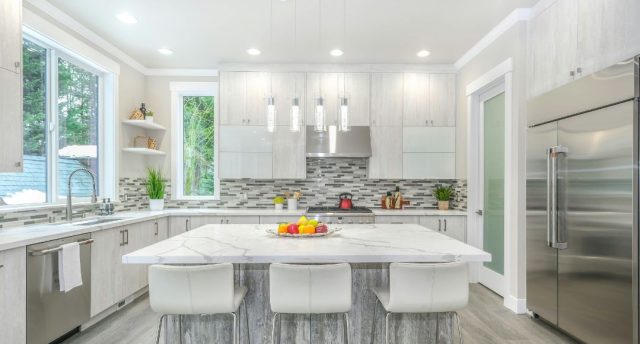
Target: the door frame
pixel 502 74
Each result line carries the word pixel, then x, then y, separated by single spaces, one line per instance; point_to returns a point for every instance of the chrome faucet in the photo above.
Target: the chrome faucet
pixel 94 196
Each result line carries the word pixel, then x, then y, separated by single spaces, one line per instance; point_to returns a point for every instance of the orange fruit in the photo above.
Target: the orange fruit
pixel 282 228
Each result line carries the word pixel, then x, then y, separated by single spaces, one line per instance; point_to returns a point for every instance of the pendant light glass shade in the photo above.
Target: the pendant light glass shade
pixel 294 115
pixel 319 118
pixel 344 115
pixel 271 114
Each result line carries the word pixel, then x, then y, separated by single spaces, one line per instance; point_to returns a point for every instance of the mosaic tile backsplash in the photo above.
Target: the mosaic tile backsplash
pixel 326 179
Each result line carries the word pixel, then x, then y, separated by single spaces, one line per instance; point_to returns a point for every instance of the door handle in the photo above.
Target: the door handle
pixel 122 238
pixel 479 212
pixel 156 228
pixel 553 154
pixel 126 242
pixel 227 221
pixel 186 224
pixel 439 225
pixel 445 225
pixel 221 221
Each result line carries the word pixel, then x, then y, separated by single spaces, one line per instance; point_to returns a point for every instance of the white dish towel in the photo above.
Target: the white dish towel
pixel 69 269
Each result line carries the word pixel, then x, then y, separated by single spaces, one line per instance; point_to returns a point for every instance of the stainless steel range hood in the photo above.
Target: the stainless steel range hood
pixel 333 143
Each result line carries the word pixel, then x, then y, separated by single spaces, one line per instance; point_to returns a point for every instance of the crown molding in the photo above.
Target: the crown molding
pixel 516 16
pixel 180 72
pixel 340 68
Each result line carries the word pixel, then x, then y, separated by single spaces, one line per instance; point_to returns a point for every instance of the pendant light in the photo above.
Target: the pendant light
pixel 343 124
pixel 294 116
pixel 319 115
pixel 271 101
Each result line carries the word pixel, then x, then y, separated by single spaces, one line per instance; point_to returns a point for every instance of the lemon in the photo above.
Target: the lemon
pixel 313 222
pixel 302 220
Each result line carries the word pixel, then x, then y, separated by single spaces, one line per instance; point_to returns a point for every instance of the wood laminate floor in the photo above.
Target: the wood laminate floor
pixel 484 321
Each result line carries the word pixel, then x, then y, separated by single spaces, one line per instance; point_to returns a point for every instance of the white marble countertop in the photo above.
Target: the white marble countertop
pixel 26 235
pixel 418 212
pixel 356 243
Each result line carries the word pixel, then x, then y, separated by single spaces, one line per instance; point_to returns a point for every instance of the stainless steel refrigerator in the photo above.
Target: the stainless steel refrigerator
pixel 582 206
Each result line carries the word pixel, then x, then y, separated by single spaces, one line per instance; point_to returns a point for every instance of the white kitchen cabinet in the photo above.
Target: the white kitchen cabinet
pixel 233 98
pixel 386 153
pixel 429 140
pixel 357 88
pixel 607 32
pixel 289 154
pixel 386 99
pixel 179 225
pixel 416 100
pixel 134 276
pixel 203 220
pixel 278 219
pixel 11 35
pixel 236 165
pixel 442 99
pixel 161 227
pixel 429 165
pixel 13 295
pixel 553 41
pixel 258 89
pixel 106 269
pixel 452 226
pixel 10 119
pixel 245 139
pixel 286 87
pixel 323 85
pixel 397 219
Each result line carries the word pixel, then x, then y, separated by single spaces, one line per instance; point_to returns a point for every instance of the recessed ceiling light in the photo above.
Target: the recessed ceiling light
pixel 253 51
pixel 336 52
pixel 165 51
pixel 127 18
pixel 423 53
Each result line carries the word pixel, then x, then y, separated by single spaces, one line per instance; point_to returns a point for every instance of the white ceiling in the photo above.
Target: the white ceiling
pixel 206 33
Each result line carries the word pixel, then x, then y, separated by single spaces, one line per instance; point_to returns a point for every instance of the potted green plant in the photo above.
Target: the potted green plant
pixel 155 189
pixel 443 194
pixel 278 201
pixel 148 116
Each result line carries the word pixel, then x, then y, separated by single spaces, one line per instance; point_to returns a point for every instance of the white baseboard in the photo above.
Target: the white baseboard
pixel 518 306
pixel 107 312
pixel 492 280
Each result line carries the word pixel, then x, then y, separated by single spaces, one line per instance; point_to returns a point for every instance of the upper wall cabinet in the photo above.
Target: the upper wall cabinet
pixel 429 100
pixel 10 86
pixel 243 98
pixel 386 99
pixel 11 35
pixel 357 88
pixel 325 86
pixel 284 88
pixel 572 38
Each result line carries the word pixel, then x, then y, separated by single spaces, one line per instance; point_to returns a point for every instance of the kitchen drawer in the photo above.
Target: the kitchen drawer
pixel 397 219
pixel 452 226
pixel 278 219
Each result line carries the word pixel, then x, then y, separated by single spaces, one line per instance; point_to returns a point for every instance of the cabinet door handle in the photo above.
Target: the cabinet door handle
pixel 227 221
pixel 16 64
pixel 121 238
pixel 445 225
pixel 186 224
pixel 248 120
pixel 127 236
pixel 572 74
pixel 157 228
pixel 1 266
pixel 579 70
pixel 221 221
pixel 439 225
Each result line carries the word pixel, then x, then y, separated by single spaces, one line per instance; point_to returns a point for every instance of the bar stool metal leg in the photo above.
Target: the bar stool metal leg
pixel 246 319
pixel 180 328
pixel 437 327
pixel 386 328
pixel 235 324
pixel 347 327
pixel 160 327
pixel 273 328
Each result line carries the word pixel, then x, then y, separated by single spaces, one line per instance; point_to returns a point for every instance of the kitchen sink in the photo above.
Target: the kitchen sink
pixel 96 221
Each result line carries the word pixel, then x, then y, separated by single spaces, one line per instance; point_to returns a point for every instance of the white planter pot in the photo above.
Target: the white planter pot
pixel 156 204
pixel 292 204
pixel 279 207
pixel 149 119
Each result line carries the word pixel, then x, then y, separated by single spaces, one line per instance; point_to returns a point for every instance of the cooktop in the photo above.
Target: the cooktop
pixel 354 210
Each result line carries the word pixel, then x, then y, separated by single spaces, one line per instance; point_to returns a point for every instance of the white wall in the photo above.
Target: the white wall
pixel 511 44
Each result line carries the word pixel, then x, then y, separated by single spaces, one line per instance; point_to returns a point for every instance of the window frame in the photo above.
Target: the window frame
pixel 178 91
pixel 107 102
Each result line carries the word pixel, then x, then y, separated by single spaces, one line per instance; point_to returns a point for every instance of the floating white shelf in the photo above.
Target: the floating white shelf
pixel 144 151
pixel 143 124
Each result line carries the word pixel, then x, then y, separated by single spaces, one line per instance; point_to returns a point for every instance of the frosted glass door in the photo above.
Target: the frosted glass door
pixel 493 219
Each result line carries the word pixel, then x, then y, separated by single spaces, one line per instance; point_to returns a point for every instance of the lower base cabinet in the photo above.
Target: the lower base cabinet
pixel 452 226
pixel 13 296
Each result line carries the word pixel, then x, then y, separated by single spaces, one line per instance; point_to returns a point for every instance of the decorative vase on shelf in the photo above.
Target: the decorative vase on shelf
pixel 156 204
pixel 279 206
pixel 292 204
pixel 443 205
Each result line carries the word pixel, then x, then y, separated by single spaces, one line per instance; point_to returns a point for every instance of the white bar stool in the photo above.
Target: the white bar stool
pixel 310 289
pixel 425 288
pixel 201 289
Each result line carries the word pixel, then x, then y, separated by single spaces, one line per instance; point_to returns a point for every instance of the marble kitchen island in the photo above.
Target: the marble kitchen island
pixel 369 248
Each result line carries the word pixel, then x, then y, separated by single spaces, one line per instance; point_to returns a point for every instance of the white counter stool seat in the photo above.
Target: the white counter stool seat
pixel 200 289
pixel 310 289
pixel 425 288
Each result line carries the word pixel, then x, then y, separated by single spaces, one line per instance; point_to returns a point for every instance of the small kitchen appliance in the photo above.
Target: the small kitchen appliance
pixel 346 201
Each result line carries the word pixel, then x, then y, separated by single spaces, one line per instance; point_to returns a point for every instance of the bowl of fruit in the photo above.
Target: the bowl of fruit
pixel 304 228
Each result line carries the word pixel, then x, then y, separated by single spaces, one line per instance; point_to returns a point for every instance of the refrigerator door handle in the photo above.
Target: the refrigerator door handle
pixel 553 154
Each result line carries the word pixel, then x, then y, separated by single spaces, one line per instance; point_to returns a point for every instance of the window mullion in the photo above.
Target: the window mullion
pixel 53 127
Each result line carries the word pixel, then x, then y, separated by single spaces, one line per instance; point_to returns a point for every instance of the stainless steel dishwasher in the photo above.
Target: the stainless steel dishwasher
pixel 52 314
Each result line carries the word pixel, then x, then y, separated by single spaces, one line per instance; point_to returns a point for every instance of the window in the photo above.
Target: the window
pixel 194 110
pixel 62 113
